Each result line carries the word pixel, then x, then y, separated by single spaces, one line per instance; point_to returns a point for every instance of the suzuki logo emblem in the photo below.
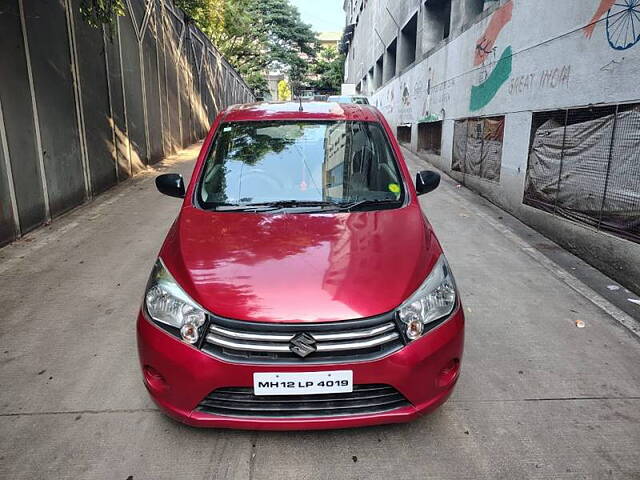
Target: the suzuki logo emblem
pixel 303 344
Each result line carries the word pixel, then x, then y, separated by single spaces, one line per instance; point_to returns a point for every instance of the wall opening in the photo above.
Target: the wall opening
pixel 437 22
pixel 408 37
pixel 379 75
pixel 430 137
pixel 584 165
pixel 390 60
pixel 477 147
pixel 370 82
pixel 476 7
pixel 403 133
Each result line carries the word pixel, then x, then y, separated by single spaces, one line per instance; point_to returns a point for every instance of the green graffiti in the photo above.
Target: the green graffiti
pixel 432 117
pixel 481 95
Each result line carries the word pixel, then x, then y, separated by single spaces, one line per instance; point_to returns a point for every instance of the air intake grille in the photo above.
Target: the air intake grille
pixel 335 342
pixel 241 402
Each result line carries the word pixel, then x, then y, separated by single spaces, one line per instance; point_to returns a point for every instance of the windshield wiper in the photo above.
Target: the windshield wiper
pixel 280 204
pixel 367 202
pixel 293 204
pixel 276 205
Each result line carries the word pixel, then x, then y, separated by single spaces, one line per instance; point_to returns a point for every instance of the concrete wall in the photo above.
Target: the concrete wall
pixel 509 58
pixel 84 108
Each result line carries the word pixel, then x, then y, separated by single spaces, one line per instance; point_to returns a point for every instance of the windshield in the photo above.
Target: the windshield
pixel 323 162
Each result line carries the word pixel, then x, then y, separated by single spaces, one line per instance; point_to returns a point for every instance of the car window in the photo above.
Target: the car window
pixel 337 162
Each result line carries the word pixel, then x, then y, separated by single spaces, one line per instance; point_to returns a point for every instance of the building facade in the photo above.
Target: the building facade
pixel 534 104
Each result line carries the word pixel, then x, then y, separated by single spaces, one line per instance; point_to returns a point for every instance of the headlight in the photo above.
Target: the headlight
pixel 168 304
pixel 435 299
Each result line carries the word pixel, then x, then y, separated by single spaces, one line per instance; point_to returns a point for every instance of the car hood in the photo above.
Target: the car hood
pixel 300 267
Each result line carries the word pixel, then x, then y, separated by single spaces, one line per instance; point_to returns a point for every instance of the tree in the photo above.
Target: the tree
pixel 257 35
pixel 99 12
pixel 284 92
pixel 253 35
pixel 329 69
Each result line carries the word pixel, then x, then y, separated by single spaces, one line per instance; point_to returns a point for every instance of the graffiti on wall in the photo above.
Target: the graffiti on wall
pixel 486 43
pixel 490 84
pixel 547 79
pixel 622 22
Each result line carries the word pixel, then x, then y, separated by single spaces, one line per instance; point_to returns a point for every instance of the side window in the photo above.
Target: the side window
pixel 386 173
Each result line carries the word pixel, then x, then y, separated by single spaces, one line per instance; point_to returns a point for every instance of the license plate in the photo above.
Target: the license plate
pixel 303 383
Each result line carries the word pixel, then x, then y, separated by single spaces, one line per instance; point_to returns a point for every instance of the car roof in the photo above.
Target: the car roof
pixel 291 111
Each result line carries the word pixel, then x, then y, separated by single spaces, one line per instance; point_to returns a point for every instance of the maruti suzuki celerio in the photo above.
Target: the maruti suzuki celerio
pixel 301 286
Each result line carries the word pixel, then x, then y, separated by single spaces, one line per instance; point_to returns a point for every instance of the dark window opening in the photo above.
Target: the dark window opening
pixel 408 38
pixel 404 133
pixel 430 137
pixel 477 147
pixel 379 76
pixel 476 7
pixel 584 165
pixel 370 80
pixel 390 60
pixel 437 21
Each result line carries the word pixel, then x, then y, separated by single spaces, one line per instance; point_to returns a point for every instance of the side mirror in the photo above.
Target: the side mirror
pixel 427 181
pixel 171 184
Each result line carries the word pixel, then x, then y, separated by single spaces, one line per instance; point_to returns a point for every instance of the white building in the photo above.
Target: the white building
pixel 533 103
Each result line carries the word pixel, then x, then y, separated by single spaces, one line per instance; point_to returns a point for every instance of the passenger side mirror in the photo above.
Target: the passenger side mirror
pixel 171 184
pixel 427 181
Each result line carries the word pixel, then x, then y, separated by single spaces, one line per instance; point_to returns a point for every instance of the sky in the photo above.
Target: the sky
pixel 323 15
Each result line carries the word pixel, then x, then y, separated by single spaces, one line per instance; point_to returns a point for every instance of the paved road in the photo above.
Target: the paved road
pixel 538 397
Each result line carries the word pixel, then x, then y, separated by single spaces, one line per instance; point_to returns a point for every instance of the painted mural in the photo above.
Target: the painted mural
pixel 622 22
pixel 483 93
pixel 491 68
pixel 486 44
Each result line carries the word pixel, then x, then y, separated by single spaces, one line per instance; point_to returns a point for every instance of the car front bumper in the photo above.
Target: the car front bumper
pixel 178 376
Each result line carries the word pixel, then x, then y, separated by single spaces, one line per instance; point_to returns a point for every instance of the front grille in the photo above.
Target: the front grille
pixel 335 342
pixel 241 402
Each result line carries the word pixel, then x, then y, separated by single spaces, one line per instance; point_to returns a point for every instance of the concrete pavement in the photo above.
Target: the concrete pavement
pixel 538 397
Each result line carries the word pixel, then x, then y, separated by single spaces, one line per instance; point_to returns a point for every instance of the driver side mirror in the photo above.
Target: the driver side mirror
pixel 171 184
pixel 427 181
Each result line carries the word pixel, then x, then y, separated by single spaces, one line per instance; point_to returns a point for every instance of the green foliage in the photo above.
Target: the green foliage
pixel 284 91
pixel 208 15
pixel 257 83
pixel 101 12
pixel 329 69
pixel 253 35
pixel 256 35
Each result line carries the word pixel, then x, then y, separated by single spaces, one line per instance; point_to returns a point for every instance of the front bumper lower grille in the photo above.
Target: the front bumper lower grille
pixel 241 402
pixel 335 342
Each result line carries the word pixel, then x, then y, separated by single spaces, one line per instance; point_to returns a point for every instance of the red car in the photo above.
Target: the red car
pixel 301 286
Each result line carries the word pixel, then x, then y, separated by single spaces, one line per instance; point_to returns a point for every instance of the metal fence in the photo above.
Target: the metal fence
pixel 82 109
pixel 584 164
pixel 477 147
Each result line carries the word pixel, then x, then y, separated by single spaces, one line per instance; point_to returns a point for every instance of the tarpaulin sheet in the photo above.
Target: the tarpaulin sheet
pixel 592 170
pixel 477 147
